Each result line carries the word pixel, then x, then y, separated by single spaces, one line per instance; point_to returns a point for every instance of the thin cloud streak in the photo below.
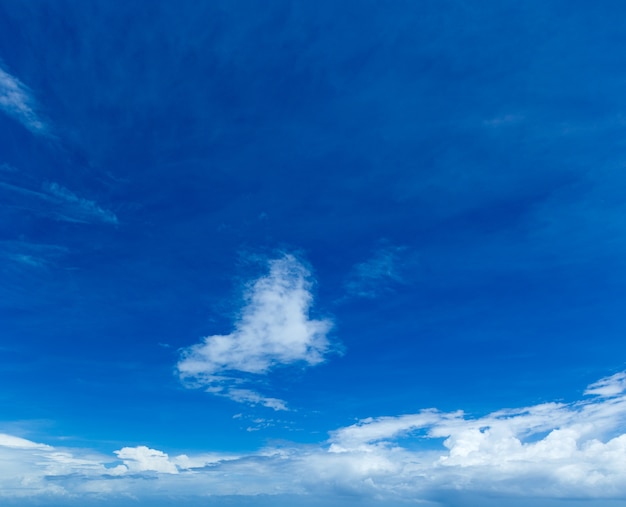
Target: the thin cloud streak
pixel 80 209
pixel 53 200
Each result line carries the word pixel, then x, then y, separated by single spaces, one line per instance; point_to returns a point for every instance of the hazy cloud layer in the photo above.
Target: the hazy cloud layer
pixel 549 451
pixel 274 329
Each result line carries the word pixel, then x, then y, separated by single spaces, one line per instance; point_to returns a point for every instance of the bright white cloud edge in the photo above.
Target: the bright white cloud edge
pixel 551 450
pixel 273 329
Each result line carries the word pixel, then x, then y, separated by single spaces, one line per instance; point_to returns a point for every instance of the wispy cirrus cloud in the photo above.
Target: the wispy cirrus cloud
pixel 535 454
pixel 378 273
pixel 17 101
pixel 73 208
pixel 250 397
pixel 273 330
pixel 50 199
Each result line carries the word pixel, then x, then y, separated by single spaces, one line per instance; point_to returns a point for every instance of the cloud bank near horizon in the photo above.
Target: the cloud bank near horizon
pixel 274 329
pixel 550 451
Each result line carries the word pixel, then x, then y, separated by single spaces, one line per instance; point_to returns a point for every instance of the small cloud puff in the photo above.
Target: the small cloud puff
pixel 142 459
pixel 274 329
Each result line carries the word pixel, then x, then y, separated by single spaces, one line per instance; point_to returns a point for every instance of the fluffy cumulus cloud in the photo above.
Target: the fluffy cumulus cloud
pixel 537 454
pixel 274 329
pixel 142 458
pixel 17 102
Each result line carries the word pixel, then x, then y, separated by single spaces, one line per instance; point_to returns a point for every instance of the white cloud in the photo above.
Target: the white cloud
pixel 553 449
pixel 274 329
pixel 17 102
pixel 609 386
pixel 254 398
pixel 533 454
pixel 184 462
pixel 142 459
pixel 19 443
pixel 360 436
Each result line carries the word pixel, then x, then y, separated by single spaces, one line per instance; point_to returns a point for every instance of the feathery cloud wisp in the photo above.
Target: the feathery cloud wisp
pixel 274 329
pixel 50 199
pixel 17 102
pixel 74 208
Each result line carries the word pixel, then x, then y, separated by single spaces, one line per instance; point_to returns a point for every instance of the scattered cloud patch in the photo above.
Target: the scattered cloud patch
pixel 16 101
pixel 184 462
pixel 274 329
pixel 378 274
pixel 549 451
pixel 251 422
pixel 253 398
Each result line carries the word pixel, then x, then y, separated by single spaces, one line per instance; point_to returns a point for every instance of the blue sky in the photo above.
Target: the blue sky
pixel 313 253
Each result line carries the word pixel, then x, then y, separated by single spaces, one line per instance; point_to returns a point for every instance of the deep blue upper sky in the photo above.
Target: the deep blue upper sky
pixel 436 187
